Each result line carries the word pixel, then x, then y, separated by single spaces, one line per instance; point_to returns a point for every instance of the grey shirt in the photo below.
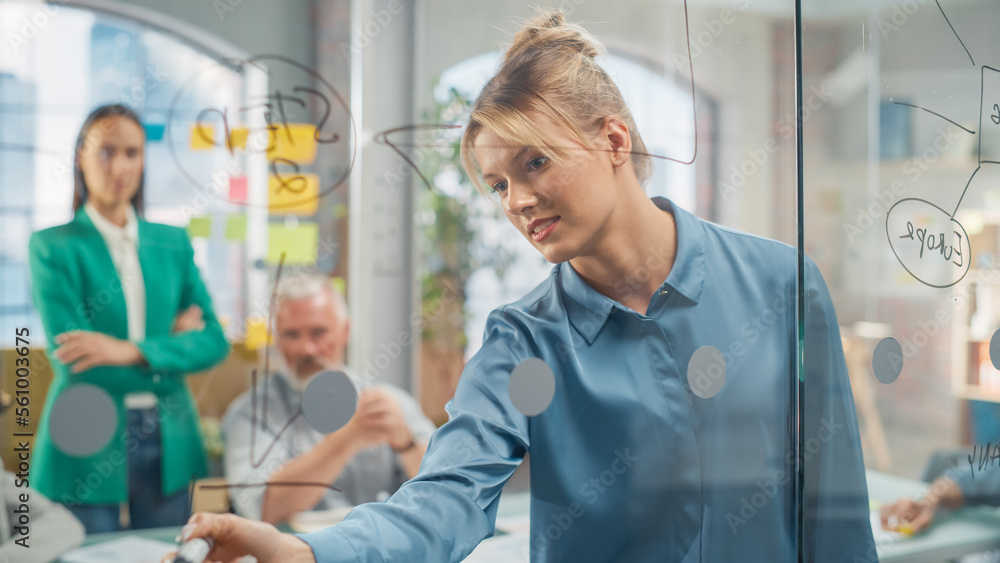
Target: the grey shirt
pixel 372 475
pixel 52 529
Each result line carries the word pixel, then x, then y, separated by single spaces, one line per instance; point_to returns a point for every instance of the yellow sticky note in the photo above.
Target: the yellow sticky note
pixel 238 137
pixel 298 243
pixel 293 194
pixel 256 336
pixel 295 142
pixel 236 227
pixel 202 136
pixel 200 227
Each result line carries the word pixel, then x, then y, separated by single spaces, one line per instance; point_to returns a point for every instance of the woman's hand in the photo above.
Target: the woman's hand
pixel 235 537
pixel 189 320
pixel 86 349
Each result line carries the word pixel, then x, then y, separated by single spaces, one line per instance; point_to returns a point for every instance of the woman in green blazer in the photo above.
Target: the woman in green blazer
pixel 127 317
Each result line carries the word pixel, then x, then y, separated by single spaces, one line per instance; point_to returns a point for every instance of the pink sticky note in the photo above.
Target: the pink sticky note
pixel 238 189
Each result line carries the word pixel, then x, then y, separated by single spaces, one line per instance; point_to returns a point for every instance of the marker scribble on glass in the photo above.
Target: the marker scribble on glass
pixel 254 462
pixel 274 108
pixel 926 239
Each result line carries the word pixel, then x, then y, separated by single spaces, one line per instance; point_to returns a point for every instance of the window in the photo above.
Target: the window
pixel 50 81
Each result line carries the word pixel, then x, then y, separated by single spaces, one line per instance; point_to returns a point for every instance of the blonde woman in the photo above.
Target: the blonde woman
pixel 629 462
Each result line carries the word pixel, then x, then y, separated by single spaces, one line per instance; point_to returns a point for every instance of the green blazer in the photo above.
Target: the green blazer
pixel 75 286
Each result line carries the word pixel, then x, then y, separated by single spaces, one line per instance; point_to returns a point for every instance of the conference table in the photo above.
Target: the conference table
pixel 963 532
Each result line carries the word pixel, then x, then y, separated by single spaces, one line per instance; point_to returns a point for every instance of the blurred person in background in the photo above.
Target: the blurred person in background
pixel 367 460
pixel 953 490
pixel 124 309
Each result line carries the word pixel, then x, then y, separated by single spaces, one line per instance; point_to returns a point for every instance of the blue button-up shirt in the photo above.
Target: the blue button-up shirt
pixel 628 462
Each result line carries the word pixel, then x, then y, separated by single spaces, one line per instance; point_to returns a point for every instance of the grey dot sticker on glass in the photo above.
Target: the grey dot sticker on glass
pixel 329 401
pixel 83 420
pixel 532 386
pixel 887 361
pixel 706 372
pixel 995 349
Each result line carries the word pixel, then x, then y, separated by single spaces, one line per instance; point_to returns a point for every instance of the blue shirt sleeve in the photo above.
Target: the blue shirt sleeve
pixel 983 488
pixel 450 506
pixel 834 492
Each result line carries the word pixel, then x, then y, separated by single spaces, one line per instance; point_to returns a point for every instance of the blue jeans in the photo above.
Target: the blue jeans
pixel 147 506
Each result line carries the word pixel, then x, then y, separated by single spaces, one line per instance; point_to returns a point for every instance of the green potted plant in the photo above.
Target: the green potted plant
pixel 452 248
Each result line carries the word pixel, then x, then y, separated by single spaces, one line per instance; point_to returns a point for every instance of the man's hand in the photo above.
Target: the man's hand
pixel 235 537
pixel 909 516
pixel 189 320
pixel 378 420
pixel 86 349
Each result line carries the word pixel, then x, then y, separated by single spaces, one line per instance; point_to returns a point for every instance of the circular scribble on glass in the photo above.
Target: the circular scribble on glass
pixel 928 242
pixel 280 126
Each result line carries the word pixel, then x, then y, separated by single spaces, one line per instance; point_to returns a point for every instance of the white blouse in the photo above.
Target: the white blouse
pixel 123 244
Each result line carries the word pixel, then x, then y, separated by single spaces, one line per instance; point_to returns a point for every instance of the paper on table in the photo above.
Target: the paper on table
pixel 314 520
pixel 511 548
pixel 130 549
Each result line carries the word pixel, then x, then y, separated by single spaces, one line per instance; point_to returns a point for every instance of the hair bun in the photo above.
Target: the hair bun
pixel 548 30
pixel 555 19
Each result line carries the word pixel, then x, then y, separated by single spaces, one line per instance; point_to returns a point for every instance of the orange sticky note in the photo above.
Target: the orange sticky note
pixel 295 142
pixel 202 136
pixel 293 194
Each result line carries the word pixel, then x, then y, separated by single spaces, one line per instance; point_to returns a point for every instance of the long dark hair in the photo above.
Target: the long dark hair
pixel 79 185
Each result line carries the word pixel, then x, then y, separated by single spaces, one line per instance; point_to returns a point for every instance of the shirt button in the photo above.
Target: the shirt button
pixel 664 292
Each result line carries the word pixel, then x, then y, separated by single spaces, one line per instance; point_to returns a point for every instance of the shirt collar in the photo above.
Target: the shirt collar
pixel 108 229
pixel 588 309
